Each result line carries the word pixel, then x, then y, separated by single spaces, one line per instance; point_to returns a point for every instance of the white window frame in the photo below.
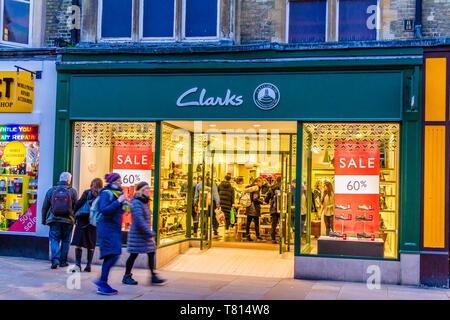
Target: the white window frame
pixel 377 22
pixel 156 39
pixel 30 26
pixel 183 26
pixel 288 21
pixel 99 25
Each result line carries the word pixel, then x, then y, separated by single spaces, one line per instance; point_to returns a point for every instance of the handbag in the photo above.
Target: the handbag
pixel 220 216
pixel 85 210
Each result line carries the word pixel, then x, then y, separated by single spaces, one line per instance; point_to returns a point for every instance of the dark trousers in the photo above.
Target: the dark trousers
pixel 328 224
pixel 60 235
pixel 227 219
pixel 302 223
pixel 132 258
pixel 108 262
pixel 249 221
pixel 195 219
pixel 275 220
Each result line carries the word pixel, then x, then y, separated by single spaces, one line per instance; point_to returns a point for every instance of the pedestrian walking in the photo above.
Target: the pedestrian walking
pixel 57 212
pixel 141 236
pixel 272 198
pixel 210 186
pixel 85 234
pixel 109 228
pixel 226 194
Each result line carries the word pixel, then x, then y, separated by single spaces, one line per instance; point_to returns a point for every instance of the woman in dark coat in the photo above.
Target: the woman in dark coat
pixel 109 229
pixel 141 235
pixel 226 194
pixel 85 235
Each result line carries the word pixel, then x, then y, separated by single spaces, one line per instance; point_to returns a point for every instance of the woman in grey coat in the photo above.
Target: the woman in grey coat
pixel 140 236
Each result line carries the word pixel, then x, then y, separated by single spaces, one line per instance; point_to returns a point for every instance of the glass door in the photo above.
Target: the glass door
pixel 206 199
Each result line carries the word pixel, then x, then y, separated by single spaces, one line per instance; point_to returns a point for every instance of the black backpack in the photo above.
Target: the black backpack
pixel 61 201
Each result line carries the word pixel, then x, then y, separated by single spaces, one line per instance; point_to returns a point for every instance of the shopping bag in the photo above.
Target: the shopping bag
pixel 220 216
pixel 232 217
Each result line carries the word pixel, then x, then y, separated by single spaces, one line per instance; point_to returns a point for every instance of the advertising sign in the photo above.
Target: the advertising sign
pixel 132 159
pixel 16 91
pixel 14 153
pixel 357 184
pixel 27 222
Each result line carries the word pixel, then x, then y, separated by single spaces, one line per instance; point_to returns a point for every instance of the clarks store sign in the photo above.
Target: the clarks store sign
pixel 16 92
pixel 266 97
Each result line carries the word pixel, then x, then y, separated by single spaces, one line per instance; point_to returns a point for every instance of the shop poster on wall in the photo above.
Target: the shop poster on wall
pixel 357 187
pixel 132 159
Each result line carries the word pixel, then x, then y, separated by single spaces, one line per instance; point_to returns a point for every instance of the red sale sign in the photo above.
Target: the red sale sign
pixel 357 184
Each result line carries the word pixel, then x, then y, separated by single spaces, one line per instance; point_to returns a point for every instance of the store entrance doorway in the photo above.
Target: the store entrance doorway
pixel 231 156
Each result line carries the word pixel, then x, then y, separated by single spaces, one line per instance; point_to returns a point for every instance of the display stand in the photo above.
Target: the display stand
pixel 351 247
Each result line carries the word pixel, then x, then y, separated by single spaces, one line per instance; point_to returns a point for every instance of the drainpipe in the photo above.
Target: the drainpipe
pixel 418 20
pixel 75 33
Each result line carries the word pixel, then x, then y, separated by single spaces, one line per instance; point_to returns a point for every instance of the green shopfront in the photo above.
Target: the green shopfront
pixel 339 131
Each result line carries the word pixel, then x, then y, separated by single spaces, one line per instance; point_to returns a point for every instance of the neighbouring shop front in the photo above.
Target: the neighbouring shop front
pixel 27 108
pixel 339 133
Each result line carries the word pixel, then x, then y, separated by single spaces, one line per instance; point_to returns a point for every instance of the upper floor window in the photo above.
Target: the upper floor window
pixel 307 21
pixel 16 21
pixel 357 20
pixel 157 20
pixel 311 21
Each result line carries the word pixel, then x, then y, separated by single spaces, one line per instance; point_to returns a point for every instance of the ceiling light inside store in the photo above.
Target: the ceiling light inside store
pixel 212 125
pixel 257 125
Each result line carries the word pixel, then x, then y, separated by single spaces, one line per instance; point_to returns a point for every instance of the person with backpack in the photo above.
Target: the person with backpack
pixel 253 211
pixel 57 212
pixel 85 234
pixel 226 194
pixel 141 235
pixel 111 203
pixel 272 199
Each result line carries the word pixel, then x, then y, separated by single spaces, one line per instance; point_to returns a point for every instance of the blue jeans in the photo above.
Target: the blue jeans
pixel 60 233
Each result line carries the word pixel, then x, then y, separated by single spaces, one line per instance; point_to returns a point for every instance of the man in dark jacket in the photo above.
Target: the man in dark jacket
pixel 226 194
pixel 57 212
pixel 254 210
pixel 272 198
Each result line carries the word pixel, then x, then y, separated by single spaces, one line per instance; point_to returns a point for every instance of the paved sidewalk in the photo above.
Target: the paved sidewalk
pixel 22 278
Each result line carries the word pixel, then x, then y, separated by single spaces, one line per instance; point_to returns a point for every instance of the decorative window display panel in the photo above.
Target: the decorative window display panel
pixel 124 147
pixel 201 18
pixel 357 20
pixel 307 21
pixel 359 162
pixel 116 18
pixel 158 18
pixel 19 162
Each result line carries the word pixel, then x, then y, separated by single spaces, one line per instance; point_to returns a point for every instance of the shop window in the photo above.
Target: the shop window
pixel 19 162
pixel 200 18
pixel 350 189
pixel 174 170
pixel 357 20
pixel 127 148
pixel 116 19
pixel 307 21
pixel 158 18
pixel 16 17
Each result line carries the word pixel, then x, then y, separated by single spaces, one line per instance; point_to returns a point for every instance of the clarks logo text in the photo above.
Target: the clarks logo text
pixel 191 98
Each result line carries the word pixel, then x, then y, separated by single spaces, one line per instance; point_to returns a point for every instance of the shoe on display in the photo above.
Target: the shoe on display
pixel 335 234
pixel 362 218
pixel 127 279
pixel 156 281
pixel 363 235
pixel 341 217
pixel 342 207
pixel 365 208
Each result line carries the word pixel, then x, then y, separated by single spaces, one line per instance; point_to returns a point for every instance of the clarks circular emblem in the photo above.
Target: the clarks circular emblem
pixel 266 96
